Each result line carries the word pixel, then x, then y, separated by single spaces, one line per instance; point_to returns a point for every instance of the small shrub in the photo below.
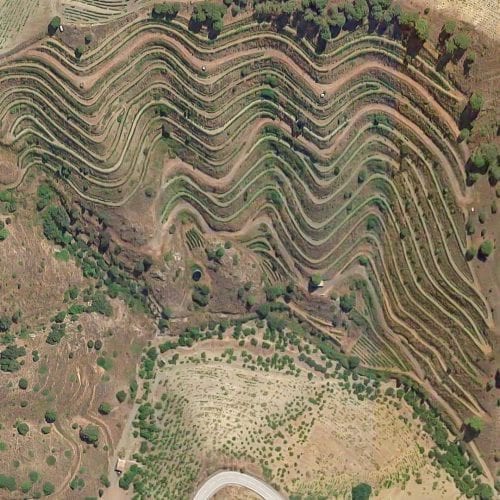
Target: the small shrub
pixel 48 488
pixel 121 396
pixel 79 51
pixel 104 409
pixel 486 249
pixel 50 416
pixel 22 428
pixel 89 434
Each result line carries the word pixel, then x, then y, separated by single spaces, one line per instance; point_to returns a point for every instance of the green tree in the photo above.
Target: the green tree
pixel 23 384
pixel 470 253
pixel 251 301
pixel 54 25
pixel 422 29
pixel 89 434
pixel 371 222
pixel 166 11
pixel 486 249
pixel 26 486
pixel 476 102
pixel 48 488
pixel 210 14
pixel 462 41
pixel 361 492
pixel 316 280
pixel 79 51
pixel 5 323
pixel 55 223
pixel 357 11
pixel 8 358
pixel 450 46
pixel 166 313
pixel 353 362
pixel 347 302
pixel 105 480
pixel 219 253
pixel 464 135
pixel 104 409
pixel 336 18
pixel 449 28
pixel 7 483
pixel 484 491
pixel 34 476
pixel 22 428
pixel 121 396
pixel 201 295
pixel 101 305
pixel 475 424
pixel 470 58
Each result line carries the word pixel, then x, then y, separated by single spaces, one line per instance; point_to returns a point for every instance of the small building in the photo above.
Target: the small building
pixel 120 466
pixel 61 29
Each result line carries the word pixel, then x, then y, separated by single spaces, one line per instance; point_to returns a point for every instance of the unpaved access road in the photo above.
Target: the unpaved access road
pixel 230 478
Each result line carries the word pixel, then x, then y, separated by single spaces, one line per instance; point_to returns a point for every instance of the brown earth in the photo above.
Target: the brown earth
pixel 66 378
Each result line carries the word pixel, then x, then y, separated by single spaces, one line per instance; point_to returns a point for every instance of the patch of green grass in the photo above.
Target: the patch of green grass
pixel 63 255
pixel 105 363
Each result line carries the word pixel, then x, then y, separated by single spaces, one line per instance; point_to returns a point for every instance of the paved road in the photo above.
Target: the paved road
pixel 230 478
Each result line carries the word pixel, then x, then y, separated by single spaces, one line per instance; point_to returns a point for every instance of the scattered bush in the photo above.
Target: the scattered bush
pixel 22 428
pixel 121 396
pixel 7 482
pixel 201 295
pixel 48 488
pixel 361 492
pixel 486 249
pixel 54 25
pixel 347 302
pixel 104 409
pixel 89 434
pixel 166 11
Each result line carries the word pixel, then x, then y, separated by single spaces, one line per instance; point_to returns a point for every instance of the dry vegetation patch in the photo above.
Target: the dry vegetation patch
pixel 303 432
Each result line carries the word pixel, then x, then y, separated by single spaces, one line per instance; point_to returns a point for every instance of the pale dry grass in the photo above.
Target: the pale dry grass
pixel 484 15
pixel 235 493
pixel 333 444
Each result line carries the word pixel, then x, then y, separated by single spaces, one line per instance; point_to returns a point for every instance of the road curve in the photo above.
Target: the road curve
pixel 231 478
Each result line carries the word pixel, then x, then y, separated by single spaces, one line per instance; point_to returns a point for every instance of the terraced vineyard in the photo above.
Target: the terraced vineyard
pixel 337 170
pixel 376 139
